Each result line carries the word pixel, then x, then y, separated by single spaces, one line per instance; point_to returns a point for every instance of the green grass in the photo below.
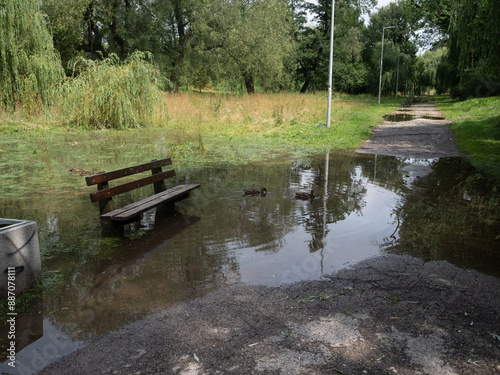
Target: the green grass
pixel 476 125
pixel 263 124
pixel 200 129
pixel 203 130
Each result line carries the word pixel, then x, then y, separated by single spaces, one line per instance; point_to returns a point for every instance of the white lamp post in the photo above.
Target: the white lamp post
pixel 381 60
pixel 397 78
pixel 329 109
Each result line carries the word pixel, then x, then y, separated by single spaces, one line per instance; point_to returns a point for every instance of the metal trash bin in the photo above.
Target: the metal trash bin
pixel 19 254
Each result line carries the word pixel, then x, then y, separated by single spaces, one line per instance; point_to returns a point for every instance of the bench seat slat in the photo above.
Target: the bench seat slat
pixel 136 208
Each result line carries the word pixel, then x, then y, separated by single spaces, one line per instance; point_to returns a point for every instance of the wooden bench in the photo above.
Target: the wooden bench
pixel 131 212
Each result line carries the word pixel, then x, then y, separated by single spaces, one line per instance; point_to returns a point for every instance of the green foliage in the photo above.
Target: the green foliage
pixel 476 124
pixel 109 94
pixel 248 42
pixel 472 65
pixel 350 73
pixel 401 39
pixel 66 22
pixel 399 14
pixel 427 67
pixel 29 65
pixel 349 69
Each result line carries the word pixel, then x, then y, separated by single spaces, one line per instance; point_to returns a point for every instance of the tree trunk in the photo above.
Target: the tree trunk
pixel 94 42
pixel 175 78
pixel 310 73
pixel 180 49
pixel 248 78
pixel 114 33
pixel 306 85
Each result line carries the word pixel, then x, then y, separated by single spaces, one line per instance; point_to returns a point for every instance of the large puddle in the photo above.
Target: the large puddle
pixel 365 205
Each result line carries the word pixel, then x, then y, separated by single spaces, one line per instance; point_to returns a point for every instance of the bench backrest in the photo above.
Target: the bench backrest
pixel 106 192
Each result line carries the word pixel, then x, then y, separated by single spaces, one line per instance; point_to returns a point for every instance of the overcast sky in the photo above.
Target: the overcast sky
pixel 382 3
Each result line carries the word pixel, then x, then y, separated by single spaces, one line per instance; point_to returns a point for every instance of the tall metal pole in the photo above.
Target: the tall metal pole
pixel 381 61
pixel 397 79
pixel 329 110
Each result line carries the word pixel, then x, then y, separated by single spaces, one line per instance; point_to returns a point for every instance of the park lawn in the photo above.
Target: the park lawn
pixel 265 124
pixel 203 128
pixel 476 125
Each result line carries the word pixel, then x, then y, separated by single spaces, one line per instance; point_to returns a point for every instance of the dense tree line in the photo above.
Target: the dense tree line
pixel 469 29
pixel 269 45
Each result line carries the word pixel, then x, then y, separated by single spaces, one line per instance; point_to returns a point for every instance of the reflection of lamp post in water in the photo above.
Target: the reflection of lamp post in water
pixel 381 60
pixel 325 199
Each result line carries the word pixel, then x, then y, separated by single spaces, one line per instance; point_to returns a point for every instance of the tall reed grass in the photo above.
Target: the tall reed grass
pixel 252 113
pixel 286 117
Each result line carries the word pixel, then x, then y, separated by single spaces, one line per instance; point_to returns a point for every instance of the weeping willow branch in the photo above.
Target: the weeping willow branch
pixel 112 94
pixel 29 66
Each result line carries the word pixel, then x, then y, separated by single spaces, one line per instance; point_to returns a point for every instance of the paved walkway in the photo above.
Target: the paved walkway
pixel 387 315
pixel 421 132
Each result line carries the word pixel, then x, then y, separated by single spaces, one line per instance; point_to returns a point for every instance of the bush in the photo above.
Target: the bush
pixel 111 94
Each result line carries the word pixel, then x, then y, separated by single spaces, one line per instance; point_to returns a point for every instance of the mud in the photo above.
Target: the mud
pixel 387 315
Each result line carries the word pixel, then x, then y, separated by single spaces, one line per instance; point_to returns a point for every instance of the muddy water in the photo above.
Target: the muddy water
pixel 399 117
pixel 365 205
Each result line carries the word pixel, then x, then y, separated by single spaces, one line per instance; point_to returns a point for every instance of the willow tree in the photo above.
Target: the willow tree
pixel 113 94
pixel 29 65
pixel 248 40
pixel 471 33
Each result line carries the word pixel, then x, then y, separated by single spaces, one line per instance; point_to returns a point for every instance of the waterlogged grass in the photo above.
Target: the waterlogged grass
pixel 476 125
pixel 201 130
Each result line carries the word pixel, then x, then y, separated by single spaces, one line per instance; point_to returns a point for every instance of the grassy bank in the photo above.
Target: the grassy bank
pixel 289 117
pixel 271 123
pixel 476 125
pixel 200 127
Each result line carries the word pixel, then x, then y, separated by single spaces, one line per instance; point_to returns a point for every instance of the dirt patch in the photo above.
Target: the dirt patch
pixel 422 133
pixel 387 315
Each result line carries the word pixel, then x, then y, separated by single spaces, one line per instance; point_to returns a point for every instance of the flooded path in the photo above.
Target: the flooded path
pixel 418 131
pixel 365 206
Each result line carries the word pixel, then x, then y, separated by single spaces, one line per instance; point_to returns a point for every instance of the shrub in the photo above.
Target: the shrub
pixel 111 94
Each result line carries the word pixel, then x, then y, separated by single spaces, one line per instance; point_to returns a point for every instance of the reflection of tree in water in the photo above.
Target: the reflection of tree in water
pixel 348 175
pixel 143 276
pixel 261 223
pixel 451 214
pixel 236 221
pixel 78 261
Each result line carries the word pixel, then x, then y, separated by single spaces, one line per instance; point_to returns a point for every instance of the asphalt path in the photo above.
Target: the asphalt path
pixel 421 132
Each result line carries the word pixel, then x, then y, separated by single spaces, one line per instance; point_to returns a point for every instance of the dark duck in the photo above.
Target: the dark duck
pixel 262 191
pixel 304 196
